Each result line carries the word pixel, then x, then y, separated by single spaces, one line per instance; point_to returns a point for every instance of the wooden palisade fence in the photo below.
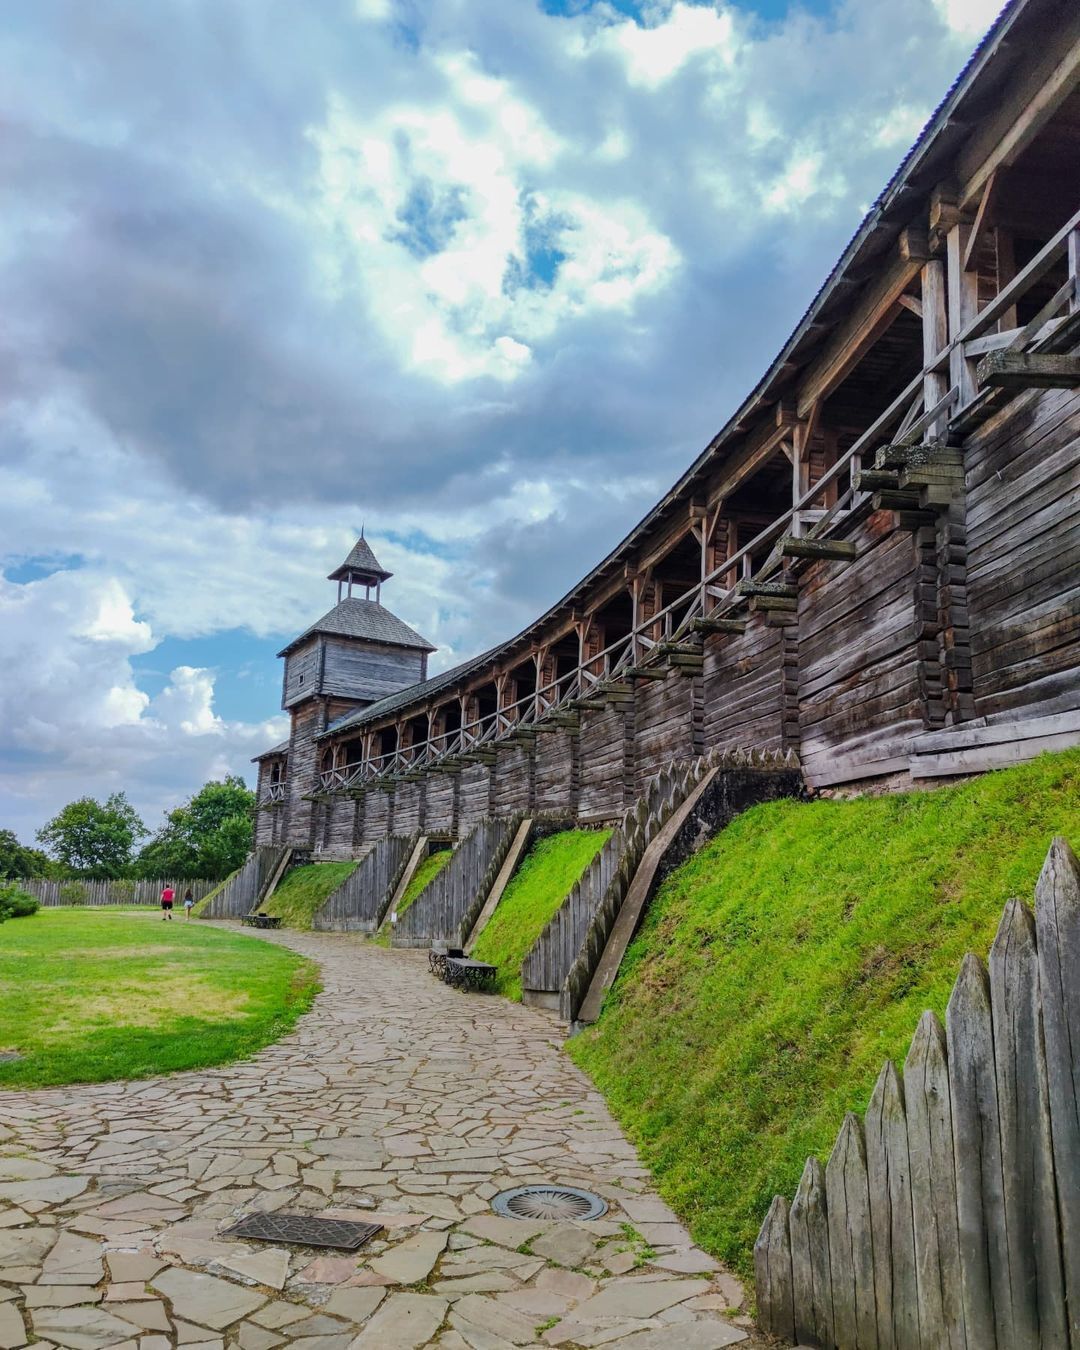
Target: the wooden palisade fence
pixel 84 891
pixel 359 903
pixel 447 908
pixel 244 890
pixel 951 1221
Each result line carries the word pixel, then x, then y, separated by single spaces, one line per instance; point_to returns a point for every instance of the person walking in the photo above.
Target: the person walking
pixel 167 897
pixel 189 903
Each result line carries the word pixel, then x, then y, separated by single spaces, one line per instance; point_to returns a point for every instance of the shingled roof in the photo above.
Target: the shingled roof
pixel 365 619
pixel 360 560
pixel 411 694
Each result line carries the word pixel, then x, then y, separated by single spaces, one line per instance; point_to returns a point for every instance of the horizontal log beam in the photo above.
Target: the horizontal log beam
pixel 1028 370
pixel 839 550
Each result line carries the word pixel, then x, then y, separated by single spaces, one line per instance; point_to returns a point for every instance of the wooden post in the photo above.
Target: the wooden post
pixel 976 1137
pixel 963 306
pixel 772 1272
pixel 851 1241
pixel 1031 1224
pixel 1057 921
pixel 935 325
pixel 1074 270
pixel 888 1172
pixel 810 1268
pixel 933 1188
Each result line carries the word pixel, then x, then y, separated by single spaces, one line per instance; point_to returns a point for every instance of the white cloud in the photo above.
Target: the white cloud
pixel 970 18
pixel 654 52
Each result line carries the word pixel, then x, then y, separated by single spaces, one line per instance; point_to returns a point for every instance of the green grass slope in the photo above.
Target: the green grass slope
pixel 92 995
pixel 781 966
pixel 536 890
pixel 305 890
pixel 425 874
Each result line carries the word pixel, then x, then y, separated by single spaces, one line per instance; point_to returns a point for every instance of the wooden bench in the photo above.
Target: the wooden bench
pixel 260 920
pixel 462 973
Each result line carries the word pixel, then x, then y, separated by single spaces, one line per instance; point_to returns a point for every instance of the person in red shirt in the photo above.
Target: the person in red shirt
pixel 167 896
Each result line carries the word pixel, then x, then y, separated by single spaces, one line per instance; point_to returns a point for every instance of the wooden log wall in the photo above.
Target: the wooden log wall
pixel 303 779
pixel 667 723
pixel 86 891
pixel 607 760
pixel 515 769
pixel 744 679
pixel 951 1218
pixel 474 799
pixel 359 903
pixel 440 808
pixel 377 814
pixel 557 772
pixel 336 827
pixel 409 806
pixel 446 910
pixel 859 692
pixel 1023 557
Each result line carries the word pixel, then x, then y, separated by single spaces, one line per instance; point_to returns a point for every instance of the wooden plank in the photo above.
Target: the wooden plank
pixel 888 1172
pixel 772 1272
pixel 851 1243
pixel 1057 920
pixel 1028 370
pixel 979 1185
pixel 1037 1289
pixel 808 1224
pixel 933 1188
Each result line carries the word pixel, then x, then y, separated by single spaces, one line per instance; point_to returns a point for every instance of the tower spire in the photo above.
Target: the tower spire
pixel 360 568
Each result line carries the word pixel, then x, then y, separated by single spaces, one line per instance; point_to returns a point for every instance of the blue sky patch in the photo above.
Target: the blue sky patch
pixel 247 684
pixel 37 568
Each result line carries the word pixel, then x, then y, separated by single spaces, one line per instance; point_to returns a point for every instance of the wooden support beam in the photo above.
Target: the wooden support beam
pixel 718 626
pixel 911 303
pixel 839 550
pixel 871 480
pixel 935 317
pixel 1029 370
pixel 773 603
pixel 981 223
pixel 773 588
pixel 963 308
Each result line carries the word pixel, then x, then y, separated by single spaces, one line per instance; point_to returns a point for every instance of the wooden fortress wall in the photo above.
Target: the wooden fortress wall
pixel 950 644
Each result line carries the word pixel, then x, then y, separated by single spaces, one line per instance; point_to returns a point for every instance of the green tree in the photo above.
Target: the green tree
pixel 92 838
pixel 209 836
pixel 16 860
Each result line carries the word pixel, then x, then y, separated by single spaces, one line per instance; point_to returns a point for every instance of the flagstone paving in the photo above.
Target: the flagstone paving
pixel 396 1100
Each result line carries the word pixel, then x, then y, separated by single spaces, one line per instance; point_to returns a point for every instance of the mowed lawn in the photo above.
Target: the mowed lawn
pixel 93 995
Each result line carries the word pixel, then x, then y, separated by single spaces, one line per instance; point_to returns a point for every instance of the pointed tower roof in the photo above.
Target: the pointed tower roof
pixel 361 562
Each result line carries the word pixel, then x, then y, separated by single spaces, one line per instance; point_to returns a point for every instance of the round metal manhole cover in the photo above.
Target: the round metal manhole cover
pixel 548 1202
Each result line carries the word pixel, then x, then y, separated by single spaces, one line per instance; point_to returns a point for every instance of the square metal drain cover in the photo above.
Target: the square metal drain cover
pixel 304 1230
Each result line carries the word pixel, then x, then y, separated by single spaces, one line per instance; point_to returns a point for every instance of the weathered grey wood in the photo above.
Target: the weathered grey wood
pixel 1057 920
pixel 984 1271
pixel 1026 370
pixel 1031 1222
pixel 851 1240
pixel 889 1175
pixel 808 1224
pixel 772 1272
pixel 796 546
pixel 933 1188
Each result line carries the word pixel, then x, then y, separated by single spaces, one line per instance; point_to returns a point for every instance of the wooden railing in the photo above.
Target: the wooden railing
pixel 275 792
pixel 905 421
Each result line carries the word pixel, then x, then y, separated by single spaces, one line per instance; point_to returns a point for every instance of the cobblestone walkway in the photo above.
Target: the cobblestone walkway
pixel 396 1099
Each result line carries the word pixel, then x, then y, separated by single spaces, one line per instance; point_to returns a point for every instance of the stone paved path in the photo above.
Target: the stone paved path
pixel 396 1099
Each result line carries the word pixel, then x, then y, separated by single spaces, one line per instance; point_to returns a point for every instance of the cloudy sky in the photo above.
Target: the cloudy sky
pixel 483 274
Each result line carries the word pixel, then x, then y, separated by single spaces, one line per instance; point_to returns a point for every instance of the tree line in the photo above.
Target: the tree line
pixel 209 836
